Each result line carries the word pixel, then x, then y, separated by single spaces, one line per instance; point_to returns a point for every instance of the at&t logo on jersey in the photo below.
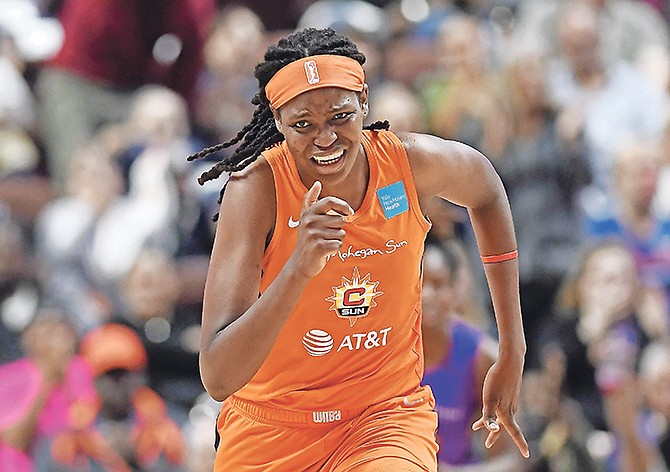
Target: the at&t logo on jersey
pixel 354 298
pixel 318 342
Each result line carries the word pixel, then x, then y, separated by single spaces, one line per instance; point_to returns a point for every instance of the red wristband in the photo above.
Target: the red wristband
pixel 505 256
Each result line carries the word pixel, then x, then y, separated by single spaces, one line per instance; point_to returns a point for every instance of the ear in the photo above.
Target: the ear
pixel 277 118
pixel 364 100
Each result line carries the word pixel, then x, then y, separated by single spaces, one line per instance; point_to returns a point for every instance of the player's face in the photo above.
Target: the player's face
pixel 323 129
pixel 437 292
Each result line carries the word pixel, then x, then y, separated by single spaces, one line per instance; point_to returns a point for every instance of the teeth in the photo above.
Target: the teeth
pixel 329 158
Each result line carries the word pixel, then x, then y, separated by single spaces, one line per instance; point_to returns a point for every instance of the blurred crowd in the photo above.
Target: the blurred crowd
pixel 105 233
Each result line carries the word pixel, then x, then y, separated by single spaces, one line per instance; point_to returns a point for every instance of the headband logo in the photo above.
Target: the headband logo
pixel 311 72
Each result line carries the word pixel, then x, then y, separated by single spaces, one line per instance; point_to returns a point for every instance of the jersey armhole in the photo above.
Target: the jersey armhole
pixel 408 177
pixel 276 232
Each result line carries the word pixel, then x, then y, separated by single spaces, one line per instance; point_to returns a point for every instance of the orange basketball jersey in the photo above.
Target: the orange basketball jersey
pixel 354 337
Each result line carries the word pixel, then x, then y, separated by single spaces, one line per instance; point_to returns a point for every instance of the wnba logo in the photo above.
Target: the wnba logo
pixel 312 72
pixel 326 416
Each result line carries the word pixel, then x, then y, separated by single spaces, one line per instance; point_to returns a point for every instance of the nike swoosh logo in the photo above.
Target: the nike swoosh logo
pixel 292 223
pixel 406 402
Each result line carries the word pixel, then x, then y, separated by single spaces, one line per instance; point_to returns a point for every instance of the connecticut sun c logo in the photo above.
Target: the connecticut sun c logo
pixel 353 298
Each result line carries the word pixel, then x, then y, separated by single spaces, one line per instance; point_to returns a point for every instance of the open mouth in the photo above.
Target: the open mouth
pixel 329 159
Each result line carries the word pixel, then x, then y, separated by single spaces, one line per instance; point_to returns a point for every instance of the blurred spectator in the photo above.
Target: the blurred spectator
pixel 110 50
pixel 114 206
pixel 66 232
pixel 463 94
pixel 277 15
pixel 150 147
pixel 662 200
pixel 627 28
pixel 200 434
pixel 17 104
pixel 655 386
pixel 133 418
pixel 602 341
pixel 601 103
pixel 658 5
pixel 600 328
pixel 408 60
pixel 158 117
pixel 397 103
pixel 35 34
pixel 366 24
pixel 554 424
pixel 543 176
pixel 457 357
pixel 169 331
pixel 629 215
pixel 19 288
pixel 49 404
pixel 423 18
pixel 24 186
pixel 226 86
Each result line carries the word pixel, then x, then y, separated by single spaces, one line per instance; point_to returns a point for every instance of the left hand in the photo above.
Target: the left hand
pixel 499 399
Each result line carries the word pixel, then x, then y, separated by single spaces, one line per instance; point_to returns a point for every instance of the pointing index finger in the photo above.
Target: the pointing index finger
pixel 312 195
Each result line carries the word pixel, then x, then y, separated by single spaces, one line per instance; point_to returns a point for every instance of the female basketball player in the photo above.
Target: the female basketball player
pixel 311 329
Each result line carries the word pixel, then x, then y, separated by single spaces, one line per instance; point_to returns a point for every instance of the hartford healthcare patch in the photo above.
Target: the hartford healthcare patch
pixel 393 199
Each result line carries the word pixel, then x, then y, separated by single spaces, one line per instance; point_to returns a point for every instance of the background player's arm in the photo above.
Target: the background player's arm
pixel 462 175
pixel 239 328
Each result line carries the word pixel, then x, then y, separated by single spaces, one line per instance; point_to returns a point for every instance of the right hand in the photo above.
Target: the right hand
pixel 321 230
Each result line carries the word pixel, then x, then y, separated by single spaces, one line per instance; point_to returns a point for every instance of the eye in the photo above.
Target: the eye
pixel 343 115
pixel 300 125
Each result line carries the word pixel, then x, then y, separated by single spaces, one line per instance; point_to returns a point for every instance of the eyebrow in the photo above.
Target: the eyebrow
pixel 334 109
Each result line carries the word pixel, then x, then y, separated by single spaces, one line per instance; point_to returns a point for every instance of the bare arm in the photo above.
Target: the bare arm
pixel 21 434
pixel 239 328
pixel 622 411
pixel 462 175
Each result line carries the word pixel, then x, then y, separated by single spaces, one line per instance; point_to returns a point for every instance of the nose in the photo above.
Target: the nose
pixel 325 137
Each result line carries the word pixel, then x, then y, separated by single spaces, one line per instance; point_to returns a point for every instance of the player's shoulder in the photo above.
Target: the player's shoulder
pixel 424 146
pixel 257 175
pixel 435 161
pixel 252 189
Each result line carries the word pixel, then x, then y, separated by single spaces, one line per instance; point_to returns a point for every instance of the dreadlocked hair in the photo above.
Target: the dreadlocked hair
pixel 261 133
